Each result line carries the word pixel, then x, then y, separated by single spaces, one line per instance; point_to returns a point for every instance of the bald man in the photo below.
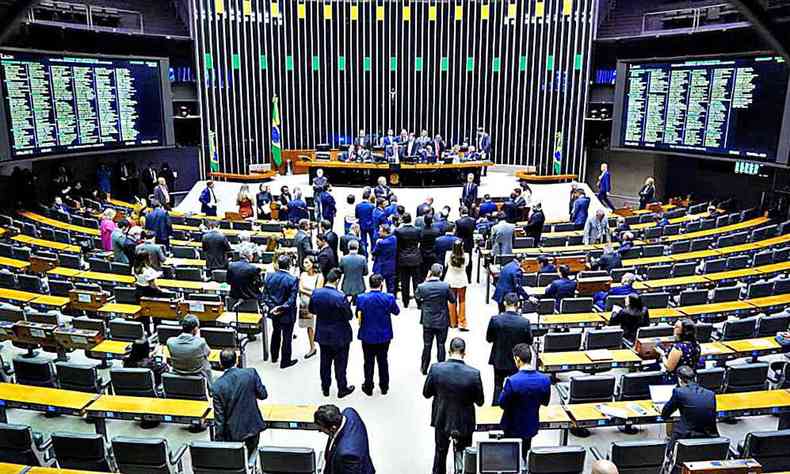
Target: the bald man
pixel 603 466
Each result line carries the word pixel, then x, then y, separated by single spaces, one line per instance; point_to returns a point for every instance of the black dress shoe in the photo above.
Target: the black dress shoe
pixel 344 393
pixel 290 363
pixel 464 329
pixel 367 391
pixel 326 392
pixel 384 391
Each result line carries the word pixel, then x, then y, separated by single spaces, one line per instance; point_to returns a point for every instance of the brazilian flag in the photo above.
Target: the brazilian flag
pixel 212 151
pixel 557 153
pixel 277 150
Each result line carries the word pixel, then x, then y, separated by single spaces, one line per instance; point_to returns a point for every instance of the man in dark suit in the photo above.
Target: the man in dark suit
pixel 384 253
pixel 235 395
pixel 445 242
pixel 510 281
pixel 282 289
pixel 429 234
pixel 521 398
pixel 327 259
pixel 364 214
pixel 504 332
pixel 347 449
pixel 332 333
pixel 375 309
pixel 158 222
pixel 425 207
pixel 581 208
pixel 215 247
pixel 697 407
pixel 455 388
pixel 330 236
pixel 244 278
pixel 608 261
pixel 208 200
pixel 150 179
pixel 534 227
pixel 382 191
pixel 469 193
pixel 409 257
pixel 433 296
pixel 563 287
pixel 303 242
pixel 465 230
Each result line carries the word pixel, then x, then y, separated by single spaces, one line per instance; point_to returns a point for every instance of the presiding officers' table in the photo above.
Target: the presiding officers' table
pixel 398 174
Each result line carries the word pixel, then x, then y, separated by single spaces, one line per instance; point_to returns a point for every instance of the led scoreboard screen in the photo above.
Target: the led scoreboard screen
pixel 55 104
pixel 731 107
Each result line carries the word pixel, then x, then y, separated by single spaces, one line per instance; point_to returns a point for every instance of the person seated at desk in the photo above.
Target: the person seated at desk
pixel 470 155
pixel 545 264
pixel 145 276
pixel 427 154
pixel 563 287
pixel 631 318
pixel 626 242
pixel 697 406
pixel 661 219
pixel 140 357
pixel 608 261
pixel 297 208
pixel 510 210
pixel 439 146
pixel 686 351
pixel 626 288
pixel 59 206
pixel 350 155
pixel 487 206
pixel 189 352
pixel 621 226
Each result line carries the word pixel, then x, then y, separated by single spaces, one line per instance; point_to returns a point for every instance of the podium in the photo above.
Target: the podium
pixel 84 300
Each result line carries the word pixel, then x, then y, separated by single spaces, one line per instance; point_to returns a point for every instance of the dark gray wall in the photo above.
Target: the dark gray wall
pixel 629 171
pixel 523 78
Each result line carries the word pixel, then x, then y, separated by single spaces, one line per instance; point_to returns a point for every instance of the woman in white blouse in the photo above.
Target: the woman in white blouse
pixel 455 262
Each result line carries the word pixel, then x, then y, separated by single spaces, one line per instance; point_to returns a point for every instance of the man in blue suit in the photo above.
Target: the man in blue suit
pixel 158 222
pixel 235 396
pixel 281 289
pixel 375 309
pixel 328 205
pixel 523 394
pixel 444 243
pixel 379 217
pixel 487 206
pixel 504 332
pixel 605 186
pixel 510 281
pixel 348 450
pixel 626 288
pixel 384 254
pixel 469 193
pixel 208 200
pixel 332 333
pixel 484 143
pixel 581 207
pixel 563 287
pixel 364 214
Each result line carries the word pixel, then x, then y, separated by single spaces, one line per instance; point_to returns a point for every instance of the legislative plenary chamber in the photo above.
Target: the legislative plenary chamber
pixel 394 236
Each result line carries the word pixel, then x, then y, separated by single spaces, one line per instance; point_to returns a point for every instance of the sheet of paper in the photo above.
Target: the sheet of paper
pixel 599 355
pixel 197 307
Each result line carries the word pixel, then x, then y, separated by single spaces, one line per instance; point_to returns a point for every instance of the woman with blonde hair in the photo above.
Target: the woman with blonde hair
pixel 244 200
pixel 648 193
pixel 106 228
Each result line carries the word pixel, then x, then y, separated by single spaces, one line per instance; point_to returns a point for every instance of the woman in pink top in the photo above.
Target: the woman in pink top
pixel 106 227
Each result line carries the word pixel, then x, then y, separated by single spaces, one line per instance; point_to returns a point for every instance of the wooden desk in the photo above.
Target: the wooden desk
pixel 571 320
pixel 768 303
pixel 774 268
pixel 524 175
pixel 670 283
pixel 554 362
pixel 246 320
pixel 106 277
pixel 765 402
pixel 587 415
pixel 639 262
pixel 715 310
pixel 64 272
pixel 718 230
pixel 144 408
pixel 47 244
pixel 54 302
pixel 59 224
pixel 13 263
pixel 17 296
pixel 698 255
pixel 57 470
pixel 125 310
pixel 716 351
pixel 742 273
pixel 755 347
pixel 50 400
pixel 109 349
pixel 206 286
pixel 7 468
pixel 289 417
pixel 552 417
pixel 185 262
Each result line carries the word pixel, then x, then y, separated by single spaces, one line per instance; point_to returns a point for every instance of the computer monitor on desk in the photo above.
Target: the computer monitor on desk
pixel 499 456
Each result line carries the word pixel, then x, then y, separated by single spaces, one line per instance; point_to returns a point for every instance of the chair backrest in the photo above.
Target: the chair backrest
pixel 700 449
pixel 189 273
pixel 617 273
pixel 606 338
pixel 656 300
pixel 739 329
pixel 219 338
pixel 653 232
pixel 219 276
pixel 780 255
pixel 119 268
pixel 657 330
pixel 21 253
pixel 60 287
pixel 712 379
pixel 707 224
pixel 80 451
pixel 125 294
pixel 684 269
pixel 638 457
pixel 79 377
pixel 554 241
pixel 693 297
pixel 70 261
pixel 591 388
pixel 211 298
pixel 183 252
pixel 763 258
pixel 218 457
pixel 693 226
pixel 701 244
pixel 614 300
pixel 770 448
pixel 545 279
pixel 746 377
pixel 636 386
pixel 16 445
pixel 84 322
pixel 187 387
pixel 545 306
pixel 11 313
pixel 564 460
pixel 760 289
pixel 704 332
pixel 727 293
pixel 715 265
pixel 30 283
pixel 99 265
pixel 576 305
pixel 141 455
pixel 128 331
pixel 652 250
pixel 523 242
pixel 166 331
pixel 133 382
pixel 50 317
pixel 657 272
pixel 738 262
pixel 276 460
pixel 6 250
pixel 562 341
pixel 698 208
pixel 782 286
pixel 7 279
pixel 34 371
pixel 770 325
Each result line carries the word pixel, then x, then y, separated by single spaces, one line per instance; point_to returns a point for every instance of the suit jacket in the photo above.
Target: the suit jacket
pixel 349 451
pixel 328 206
pixel 469 194
pixel 443 245
pixel 520 400
pixel 236 413
pixel 244 279
pixel 347 239
pixel 596 231
pixel 376 308
pixel 385 255
pixel 205 199
pixel 465 230
pixel 534 227
pixel 428 238
pixel 433 296
pixel 455 388
pixel 504 332
pixel 630 320
pixel 282 289
pixel 189 355
pixel 561 288
pixel 646 195
pixel 327 260
pixel 304 246
pixel 605 183
pixel 510 281
pixel 422 209
pixel 364 214
pixel 158 221
pixel 502 238
pixel 581 206
pixel 408 238
pixel 216 248
pixel 487 207
pixel 297 210
pixel 354 267
pixel 333 313
pixel 162 195
pixel 485 144
pixel 697 407
pixel 609 261
pixel 382 191
pixel 510 210
pixel 333 241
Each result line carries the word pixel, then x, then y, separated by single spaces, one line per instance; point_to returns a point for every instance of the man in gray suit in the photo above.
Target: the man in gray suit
pixel 189 352
pixel 502 236
pixel 303 242
pixel 354 267
pixel 433 296
pixel 149 246
pixel 216 247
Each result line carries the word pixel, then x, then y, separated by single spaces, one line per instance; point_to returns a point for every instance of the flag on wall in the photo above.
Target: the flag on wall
pixel 276 143
pixel 212 151
pixel 557 152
